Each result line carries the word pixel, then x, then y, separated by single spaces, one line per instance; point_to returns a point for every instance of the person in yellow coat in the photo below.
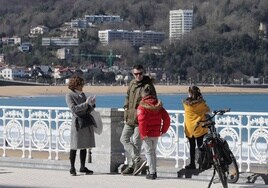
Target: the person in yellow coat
pixel 195 109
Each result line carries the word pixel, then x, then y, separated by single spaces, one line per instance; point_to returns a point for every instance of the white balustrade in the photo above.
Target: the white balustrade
pixel 35 129
pixel 246 133
pixel 48 129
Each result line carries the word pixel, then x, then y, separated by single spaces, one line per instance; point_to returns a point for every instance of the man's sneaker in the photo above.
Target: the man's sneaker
pixel 127 171
pixel 151 176
pixel 138 166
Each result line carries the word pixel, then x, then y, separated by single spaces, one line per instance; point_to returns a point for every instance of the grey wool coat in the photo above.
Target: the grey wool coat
pixel 80 138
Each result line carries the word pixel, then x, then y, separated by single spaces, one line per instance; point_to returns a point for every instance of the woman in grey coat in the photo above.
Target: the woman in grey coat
pixel 82 133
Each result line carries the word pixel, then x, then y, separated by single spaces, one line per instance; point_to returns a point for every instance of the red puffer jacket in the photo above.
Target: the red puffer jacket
pixel 152 117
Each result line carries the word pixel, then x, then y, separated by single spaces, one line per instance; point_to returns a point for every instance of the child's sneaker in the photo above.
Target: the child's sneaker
pixel 151 176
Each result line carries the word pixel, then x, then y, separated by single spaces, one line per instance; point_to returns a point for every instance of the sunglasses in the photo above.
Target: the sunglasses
pixel 138 73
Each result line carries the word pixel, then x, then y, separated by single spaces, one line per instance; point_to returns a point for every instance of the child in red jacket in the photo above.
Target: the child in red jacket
pixel 153 122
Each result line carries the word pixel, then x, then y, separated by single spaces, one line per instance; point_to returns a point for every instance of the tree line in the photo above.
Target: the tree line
pixel 224 45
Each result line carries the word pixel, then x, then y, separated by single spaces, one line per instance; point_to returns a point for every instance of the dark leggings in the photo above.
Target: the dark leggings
pixel 192 142
pixel 83 154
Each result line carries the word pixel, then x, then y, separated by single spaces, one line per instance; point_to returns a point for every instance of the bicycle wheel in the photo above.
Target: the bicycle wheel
pixel 222 173
pixel 233 172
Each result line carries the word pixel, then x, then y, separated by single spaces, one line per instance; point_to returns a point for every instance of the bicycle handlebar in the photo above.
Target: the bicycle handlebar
pixel 221 112
pixel 207 121
pixel 217 112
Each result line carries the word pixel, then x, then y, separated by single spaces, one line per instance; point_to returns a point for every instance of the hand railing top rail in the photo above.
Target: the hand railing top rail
pixel 34 107
pixel 121 109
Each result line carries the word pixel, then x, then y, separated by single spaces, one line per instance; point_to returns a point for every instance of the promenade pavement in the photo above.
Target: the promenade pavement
pixel 11 177
pixel 17 172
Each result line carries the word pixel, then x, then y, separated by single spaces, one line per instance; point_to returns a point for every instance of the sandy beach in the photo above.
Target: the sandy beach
pixel 13 91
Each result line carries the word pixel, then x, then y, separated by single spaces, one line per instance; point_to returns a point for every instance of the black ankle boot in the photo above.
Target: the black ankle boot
pixel 190 166
pixel 73 172
pixel 86 170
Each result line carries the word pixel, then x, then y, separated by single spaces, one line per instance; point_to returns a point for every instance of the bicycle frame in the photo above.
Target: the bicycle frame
pixel 216 158
pixel 211 140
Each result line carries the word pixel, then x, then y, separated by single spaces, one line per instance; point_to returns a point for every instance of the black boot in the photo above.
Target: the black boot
pixel 83 169
pixel 190 166
pixel 72 161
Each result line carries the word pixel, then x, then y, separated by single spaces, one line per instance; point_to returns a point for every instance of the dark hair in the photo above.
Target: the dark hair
pixel 138 67
pixel 195 92
pixel 146 92
pixel 75 81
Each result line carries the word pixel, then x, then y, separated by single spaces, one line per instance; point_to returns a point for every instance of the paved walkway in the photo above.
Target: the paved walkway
pixel 42 178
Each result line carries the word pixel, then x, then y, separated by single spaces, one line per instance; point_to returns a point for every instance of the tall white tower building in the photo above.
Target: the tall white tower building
pixel 180 22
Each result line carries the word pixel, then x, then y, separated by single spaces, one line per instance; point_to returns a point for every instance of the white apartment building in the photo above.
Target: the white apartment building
pixel 79 23
pixel 39 30
pixel 11 41
pixel 136 38
pixel 98 19
pixel 6 73
pixel 69 32
pixel 56 41
pixel 180 22
pixel 2 58
pixel 63 53
pixel 263 29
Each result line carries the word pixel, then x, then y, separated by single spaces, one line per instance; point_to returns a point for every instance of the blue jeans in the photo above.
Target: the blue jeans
pixel 130 138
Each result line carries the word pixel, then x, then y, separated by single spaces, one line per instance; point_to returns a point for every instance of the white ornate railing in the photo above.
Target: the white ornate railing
pixel 35 129
pixel 48 129
pixel 246 133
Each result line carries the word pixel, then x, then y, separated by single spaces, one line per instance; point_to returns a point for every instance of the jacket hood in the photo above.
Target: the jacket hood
pixel 190 101
pixel 151 103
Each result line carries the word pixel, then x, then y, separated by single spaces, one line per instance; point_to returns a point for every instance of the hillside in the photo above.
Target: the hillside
pixel 17 16
pixel 224 44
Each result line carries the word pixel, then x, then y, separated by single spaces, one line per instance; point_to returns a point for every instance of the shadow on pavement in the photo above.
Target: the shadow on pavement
pixel 3 171
pixel 188 173
pixel 252 178
pixel 6 186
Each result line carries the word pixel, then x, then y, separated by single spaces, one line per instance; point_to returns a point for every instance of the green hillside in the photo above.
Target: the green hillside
pixel 225 43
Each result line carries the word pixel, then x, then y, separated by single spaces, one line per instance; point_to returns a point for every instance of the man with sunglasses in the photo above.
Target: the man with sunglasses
pixel 130 137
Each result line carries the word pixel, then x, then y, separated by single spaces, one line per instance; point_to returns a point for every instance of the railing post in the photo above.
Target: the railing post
pixel 50 135
pixel 107 155
pixel 249 144
pixel 30 135
pixel 23 134
pixel 4 133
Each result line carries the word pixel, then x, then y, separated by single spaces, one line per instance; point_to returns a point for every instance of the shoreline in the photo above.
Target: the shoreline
pixel 16 91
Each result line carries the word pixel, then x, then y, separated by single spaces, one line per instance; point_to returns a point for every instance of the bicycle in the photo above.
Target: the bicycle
pixel 215 152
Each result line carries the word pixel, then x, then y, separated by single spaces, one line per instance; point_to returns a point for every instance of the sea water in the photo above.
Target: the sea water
pixel 237 102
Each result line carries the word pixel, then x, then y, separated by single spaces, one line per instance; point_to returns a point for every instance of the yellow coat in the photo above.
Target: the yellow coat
pixel 194 112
